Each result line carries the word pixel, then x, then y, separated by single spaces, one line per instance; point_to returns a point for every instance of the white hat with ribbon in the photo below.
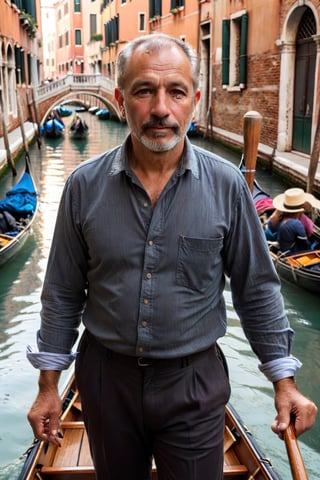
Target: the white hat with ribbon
pixel 293 200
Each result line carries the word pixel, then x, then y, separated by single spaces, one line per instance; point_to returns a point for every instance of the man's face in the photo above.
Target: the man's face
pixel 158 97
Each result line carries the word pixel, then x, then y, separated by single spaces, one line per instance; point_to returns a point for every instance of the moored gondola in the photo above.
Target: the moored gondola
pixel 63 111
pixel 103 114
pixel 19 206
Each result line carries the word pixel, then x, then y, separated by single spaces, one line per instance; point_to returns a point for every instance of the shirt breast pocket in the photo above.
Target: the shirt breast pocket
pixel 199 261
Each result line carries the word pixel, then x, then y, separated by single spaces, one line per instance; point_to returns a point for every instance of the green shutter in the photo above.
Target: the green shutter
pixel 243 50
pixel 225 51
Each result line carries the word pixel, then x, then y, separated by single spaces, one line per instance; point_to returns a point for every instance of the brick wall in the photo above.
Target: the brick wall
pixel 261 94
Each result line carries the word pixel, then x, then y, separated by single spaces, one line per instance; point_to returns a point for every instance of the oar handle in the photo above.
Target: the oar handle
pixel 297 466
pixel 251 134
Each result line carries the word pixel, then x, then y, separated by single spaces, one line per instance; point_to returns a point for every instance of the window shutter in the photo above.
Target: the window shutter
pixel 225 51
pixel 243 50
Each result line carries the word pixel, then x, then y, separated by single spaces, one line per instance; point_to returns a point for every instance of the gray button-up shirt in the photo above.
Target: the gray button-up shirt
pixel 149 281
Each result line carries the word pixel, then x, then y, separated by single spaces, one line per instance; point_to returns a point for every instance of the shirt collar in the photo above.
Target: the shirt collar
pixel 189 161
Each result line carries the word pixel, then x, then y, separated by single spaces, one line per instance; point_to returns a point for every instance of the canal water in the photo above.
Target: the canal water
pixel 20 286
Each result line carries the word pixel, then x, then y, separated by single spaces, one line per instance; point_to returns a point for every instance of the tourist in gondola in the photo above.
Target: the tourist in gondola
pixel 289 225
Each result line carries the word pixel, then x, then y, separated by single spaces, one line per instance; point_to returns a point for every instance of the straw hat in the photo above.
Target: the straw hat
pixel 293 200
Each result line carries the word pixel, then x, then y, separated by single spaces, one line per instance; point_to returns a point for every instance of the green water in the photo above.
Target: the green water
pixel 20 285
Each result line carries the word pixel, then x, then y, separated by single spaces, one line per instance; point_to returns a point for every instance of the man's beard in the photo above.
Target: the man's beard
pixel 158 147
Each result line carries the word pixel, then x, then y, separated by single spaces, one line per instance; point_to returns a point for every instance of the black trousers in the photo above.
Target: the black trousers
pixel 136 409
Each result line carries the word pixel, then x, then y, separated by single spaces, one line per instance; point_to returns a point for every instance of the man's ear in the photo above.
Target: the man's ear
pixel 196 101
pixel 120 101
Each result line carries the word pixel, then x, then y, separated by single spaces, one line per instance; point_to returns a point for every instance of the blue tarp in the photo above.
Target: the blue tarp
pixel 20 199
pixel 52 125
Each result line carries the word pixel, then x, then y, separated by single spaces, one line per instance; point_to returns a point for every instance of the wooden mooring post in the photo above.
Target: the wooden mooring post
pixel 21 120
pixel 36 118
pixel 10 161
pixel 251 134
pixel 314 158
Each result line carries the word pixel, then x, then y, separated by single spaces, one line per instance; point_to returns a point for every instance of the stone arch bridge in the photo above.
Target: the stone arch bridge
pixel 77 88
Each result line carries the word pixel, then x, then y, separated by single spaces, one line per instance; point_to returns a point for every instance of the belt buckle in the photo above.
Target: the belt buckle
pixel 143 362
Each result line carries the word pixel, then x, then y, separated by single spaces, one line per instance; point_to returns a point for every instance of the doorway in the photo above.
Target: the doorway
pixel 304 83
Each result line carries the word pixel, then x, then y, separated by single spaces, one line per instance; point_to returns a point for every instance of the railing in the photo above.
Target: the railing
pixel 74 82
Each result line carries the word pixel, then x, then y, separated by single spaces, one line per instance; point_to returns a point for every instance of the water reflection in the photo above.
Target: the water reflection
pixel 20 285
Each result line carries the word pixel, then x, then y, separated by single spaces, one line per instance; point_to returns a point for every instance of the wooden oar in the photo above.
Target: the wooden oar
pixel 251 134
pixel 297 466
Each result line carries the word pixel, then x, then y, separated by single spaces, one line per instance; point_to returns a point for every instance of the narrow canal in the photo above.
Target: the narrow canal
pixel 20 285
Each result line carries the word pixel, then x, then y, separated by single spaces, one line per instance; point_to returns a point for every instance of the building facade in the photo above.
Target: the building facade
pixel 92 36
pixel 20 58
pixel 255 55
pixel 48 19
pixel 70 37
pixel 265 57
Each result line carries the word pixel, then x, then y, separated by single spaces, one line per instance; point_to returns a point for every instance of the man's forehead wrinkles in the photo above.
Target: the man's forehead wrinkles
pixel 156 81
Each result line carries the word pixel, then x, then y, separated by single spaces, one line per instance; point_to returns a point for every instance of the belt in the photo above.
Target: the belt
pixel 145 362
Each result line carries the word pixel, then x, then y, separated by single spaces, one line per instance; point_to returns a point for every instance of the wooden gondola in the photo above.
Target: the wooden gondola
pixel 302 269
pixel 93 110
pixel 63 111
pixel 54 126
pixel 103 114
pixel 193 130
pixel 21 202
pixel 78 127
pixel 243 459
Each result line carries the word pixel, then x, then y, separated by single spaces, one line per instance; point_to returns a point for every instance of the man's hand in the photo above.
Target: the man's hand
pixel 291 405
pixel 46 409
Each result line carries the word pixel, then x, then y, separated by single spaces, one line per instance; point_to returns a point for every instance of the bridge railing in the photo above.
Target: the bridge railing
pixel 73 82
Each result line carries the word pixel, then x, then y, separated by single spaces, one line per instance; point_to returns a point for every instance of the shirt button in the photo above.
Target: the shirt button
pixel 149 275
pixel 145 204
pixel 141 349
pixel 150 243
pixel 145 301
pixel 144 323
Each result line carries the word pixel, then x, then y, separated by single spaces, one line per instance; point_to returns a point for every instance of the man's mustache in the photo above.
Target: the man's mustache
pixel 159 122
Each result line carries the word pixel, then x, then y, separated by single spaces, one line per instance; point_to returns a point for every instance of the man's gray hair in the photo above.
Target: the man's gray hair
pixel 155 42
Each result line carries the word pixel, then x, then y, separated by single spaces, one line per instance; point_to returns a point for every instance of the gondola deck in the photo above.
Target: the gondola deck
pixel 243 459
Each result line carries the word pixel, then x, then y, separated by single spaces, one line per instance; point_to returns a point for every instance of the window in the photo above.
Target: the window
pixel 234 50
pixel 142 22
pixel 77 5
pixel 155 8
pixel 112 31
pixel 93 24
pixel 77 37
pixel 67 37
pixel 176 4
